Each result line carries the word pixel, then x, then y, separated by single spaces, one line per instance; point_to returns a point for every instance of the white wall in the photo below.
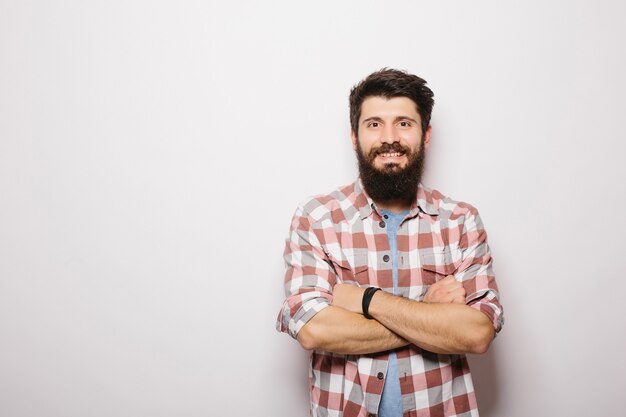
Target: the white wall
pixel 152 153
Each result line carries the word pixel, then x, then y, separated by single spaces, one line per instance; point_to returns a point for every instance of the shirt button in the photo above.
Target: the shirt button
pixel 386 258
pixel 381 224
pixel 385 216
pixel 380 375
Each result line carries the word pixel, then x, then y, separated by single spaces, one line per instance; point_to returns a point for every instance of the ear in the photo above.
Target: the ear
pixel 427 135
pixel 354 139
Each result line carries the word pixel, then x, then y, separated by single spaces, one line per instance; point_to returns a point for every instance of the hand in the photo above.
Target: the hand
pixel 447 290
pixel 348 297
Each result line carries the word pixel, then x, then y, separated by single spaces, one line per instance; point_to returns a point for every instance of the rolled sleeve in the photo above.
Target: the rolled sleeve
pixel 309 278
pixel 476 272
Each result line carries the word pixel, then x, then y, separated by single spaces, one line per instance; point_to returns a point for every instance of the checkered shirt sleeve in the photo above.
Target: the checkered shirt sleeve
pixel 476 271
pixel 308 279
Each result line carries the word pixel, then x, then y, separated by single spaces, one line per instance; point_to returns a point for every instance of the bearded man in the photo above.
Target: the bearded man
pixel 389 283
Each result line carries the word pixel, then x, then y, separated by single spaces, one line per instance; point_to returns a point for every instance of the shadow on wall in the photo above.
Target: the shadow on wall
pixel 486 384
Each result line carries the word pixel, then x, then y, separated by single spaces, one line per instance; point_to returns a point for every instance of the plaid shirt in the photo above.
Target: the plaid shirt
pixel 341 237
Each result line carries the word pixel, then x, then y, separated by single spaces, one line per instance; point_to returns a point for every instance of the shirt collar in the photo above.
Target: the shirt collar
pixel 423 202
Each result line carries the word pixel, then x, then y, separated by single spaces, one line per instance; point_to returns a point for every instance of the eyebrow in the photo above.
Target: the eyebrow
pixel 397 119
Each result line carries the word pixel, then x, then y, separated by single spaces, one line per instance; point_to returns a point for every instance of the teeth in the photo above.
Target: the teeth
pixel 391 154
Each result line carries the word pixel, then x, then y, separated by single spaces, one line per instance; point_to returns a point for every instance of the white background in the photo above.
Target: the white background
pixel 152 154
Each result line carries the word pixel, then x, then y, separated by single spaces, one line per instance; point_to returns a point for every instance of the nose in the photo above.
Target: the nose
pixel 389 135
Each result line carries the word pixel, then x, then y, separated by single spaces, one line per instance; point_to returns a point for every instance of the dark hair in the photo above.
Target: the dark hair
pixel 390 83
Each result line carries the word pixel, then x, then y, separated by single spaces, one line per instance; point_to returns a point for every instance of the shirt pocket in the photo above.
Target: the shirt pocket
pixel 351 266
pixel 436 264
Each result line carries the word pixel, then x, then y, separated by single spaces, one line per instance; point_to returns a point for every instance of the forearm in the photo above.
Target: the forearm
pixel 341 331
pixel 437 327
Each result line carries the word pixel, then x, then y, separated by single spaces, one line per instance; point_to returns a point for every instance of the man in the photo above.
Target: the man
pixel 390 283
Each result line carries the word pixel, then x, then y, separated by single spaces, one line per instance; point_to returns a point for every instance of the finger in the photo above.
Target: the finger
pixel 459 299
pixel 456 286
pixel 450 285
pixel 457 293
pixel 449 280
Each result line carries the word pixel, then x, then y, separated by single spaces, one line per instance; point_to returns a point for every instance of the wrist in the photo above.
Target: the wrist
pixel 368 294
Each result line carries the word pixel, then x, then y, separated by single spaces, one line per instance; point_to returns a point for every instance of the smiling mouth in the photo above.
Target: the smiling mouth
pixel 391 154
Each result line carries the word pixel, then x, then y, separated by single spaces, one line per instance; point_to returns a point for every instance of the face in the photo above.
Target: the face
pixel 390 150
pixel 390 133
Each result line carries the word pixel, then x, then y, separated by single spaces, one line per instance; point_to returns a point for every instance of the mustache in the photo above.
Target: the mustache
pixel 388 147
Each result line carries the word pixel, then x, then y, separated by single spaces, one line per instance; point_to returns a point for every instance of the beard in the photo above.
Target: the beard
pixel 391 183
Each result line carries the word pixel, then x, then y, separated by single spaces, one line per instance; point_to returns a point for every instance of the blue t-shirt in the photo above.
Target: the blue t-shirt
pixel 391 400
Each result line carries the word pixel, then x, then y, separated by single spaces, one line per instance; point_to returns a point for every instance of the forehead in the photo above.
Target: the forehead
pixel 384 107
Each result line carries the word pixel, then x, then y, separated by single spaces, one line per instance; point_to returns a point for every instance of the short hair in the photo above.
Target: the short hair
pixel 391 83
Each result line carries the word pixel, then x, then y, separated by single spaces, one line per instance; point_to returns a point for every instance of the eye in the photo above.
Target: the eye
pixel 373 124
pixel 404 123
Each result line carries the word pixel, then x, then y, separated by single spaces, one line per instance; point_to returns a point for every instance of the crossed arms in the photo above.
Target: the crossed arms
pixel 324 313
pixel 442 323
